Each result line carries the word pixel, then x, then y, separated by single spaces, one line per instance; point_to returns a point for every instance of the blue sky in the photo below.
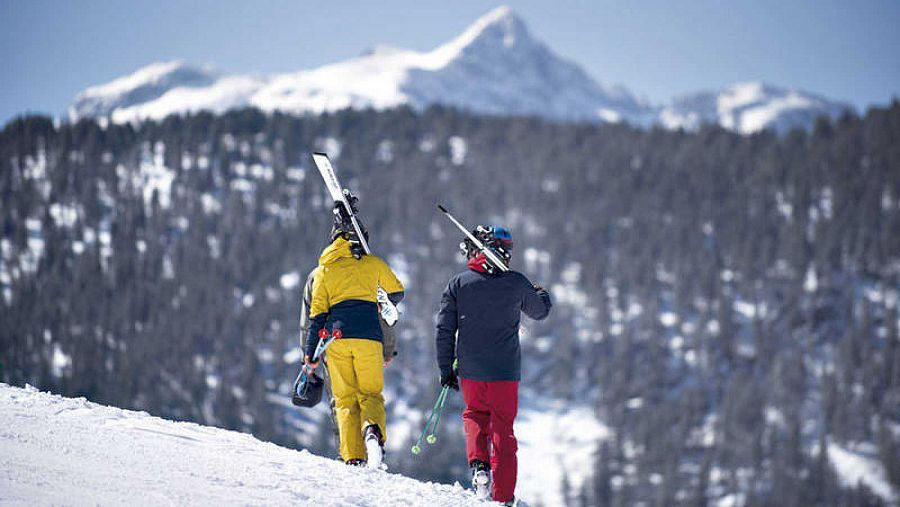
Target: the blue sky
pixel 51 50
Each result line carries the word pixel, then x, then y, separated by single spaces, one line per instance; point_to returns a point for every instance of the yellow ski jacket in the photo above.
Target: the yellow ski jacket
pixel 345 294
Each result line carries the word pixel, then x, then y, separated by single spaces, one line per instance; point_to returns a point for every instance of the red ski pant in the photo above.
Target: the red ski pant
pixel 488 420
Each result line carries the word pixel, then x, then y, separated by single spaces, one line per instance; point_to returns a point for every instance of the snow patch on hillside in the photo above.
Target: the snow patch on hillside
pixel 750 107
pixel 860 464
pixel 63 451
pixel 226 93
pixel 554 442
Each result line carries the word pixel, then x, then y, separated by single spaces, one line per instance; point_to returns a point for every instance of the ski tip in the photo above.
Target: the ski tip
pixel 442 208
pixel 321 154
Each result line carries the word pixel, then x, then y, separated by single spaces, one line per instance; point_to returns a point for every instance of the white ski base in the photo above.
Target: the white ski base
pixel 63 451
pixel 374 453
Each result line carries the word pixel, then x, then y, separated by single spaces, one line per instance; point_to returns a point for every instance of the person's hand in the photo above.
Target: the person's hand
pixel 309 364
pixel 450 380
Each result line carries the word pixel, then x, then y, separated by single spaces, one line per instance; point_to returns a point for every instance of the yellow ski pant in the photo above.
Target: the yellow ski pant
pixel 356 369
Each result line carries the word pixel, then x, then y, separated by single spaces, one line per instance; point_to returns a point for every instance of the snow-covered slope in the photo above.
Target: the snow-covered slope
pixel 496 66
pixel 750 107
pixel 62 451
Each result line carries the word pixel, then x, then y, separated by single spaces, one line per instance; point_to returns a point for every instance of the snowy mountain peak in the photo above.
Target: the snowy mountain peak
pixel 145 84
pixel 495 66
pixel 749 107
pixel 748 94
pixel 155 73
pixel 502 22
pixel 498 29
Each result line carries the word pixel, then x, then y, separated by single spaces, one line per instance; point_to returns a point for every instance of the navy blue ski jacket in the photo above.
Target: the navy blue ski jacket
pixel 478 323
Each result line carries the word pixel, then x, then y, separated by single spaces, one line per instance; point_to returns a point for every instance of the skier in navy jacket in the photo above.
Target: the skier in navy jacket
pixel 478 325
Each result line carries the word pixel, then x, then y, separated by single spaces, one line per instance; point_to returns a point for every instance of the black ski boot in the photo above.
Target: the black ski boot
pixel 481 478
pixel 355 462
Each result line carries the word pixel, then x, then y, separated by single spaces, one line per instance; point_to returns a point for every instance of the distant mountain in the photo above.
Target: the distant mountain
pixel 495 66
pixel 750 107
pixel 145 85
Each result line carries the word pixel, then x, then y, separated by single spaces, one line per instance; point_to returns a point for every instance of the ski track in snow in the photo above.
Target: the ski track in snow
pixel 56 450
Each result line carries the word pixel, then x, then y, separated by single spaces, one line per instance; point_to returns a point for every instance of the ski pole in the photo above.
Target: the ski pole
pixel 437 410
pixel 326 339
pixel 438 406
pixel 432 438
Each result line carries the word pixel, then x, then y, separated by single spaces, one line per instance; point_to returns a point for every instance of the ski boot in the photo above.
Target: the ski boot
pixel 481 479
pixel 374 446
pixel 355 462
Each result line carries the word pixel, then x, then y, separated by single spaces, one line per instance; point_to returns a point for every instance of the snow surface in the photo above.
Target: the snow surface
pixel 64 451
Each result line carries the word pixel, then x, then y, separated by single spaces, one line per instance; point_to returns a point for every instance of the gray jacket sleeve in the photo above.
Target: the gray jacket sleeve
pixel 390 340
pixel 305 303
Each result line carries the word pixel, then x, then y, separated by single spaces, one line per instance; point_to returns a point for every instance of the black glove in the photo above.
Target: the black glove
pixel 450 380
pixel 544 294
pixel 352 199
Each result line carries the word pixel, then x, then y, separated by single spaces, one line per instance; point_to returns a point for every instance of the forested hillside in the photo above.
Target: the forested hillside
pixel 727 304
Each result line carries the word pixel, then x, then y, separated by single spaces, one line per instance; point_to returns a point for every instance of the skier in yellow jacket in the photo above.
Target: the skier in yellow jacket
pixel 345 296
